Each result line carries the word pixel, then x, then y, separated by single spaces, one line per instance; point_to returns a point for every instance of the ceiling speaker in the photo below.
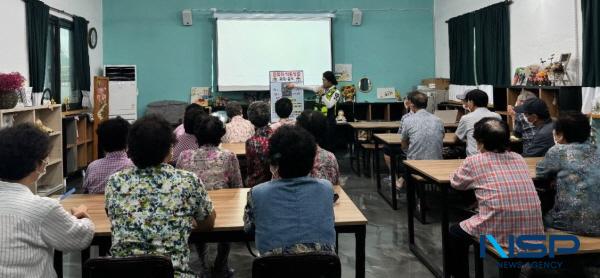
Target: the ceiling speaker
pixel 356 17
pixel 186 16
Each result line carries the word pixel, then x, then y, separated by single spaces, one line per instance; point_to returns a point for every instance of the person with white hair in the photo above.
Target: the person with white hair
pixel 522 128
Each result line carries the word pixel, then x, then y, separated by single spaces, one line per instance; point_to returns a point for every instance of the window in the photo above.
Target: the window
pixel 59 62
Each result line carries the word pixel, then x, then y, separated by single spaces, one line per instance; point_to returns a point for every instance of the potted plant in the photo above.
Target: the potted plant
pixel 348 92
pixel 10 84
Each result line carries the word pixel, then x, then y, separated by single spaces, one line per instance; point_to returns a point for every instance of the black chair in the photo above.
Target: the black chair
pixel 128 267
pixel 309 265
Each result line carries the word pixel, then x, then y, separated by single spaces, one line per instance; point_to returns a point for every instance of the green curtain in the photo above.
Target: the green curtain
pixel 37 35
pixel 591 43
pixel 81 58
pixel 460 40
pixel 492 45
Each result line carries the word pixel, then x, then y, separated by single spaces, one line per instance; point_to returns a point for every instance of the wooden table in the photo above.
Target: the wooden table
pixel 437 172
pixel 229 224
pixel 394 139
pixel 238 149
pixel 369 127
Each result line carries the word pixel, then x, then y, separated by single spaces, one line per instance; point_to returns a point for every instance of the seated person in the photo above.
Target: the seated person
pixel 112 135
pixel 152 206
pixel 389 150
pixel 325 166
pixel 294 214
pixel 33 226
pixel 187 139
pixel 522 128
pixel 508 201
pixel 238 129
pixel 575 164
pixel 422 133
pixel 283 108
pixel 216 168
pixel 536 113
pixel 477 102
pixel 257 147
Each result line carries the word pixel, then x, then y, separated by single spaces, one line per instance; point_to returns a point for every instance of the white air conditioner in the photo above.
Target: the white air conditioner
pixel 122 89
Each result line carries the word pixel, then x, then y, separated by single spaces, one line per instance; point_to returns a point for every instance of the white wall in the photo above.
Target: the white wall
pixel 538 28
pixel 13 49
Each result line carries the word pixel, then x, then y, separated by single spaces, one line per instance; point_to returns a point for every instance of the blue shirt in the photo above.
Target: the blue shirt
pixel 425 134
pixel 288 213
pixel 576 168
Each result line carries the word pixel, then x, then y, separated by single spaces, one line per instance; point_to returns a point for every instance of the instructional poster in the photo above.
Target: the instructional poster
pixel 278 81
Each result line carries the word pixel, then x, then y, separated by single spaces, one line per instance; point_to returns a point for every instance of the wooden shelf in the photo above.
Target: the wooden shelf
pixel 78 131
pixel 50 116
pixel 46 191
pixel 54 161
pixel 23 109
pixel 75 112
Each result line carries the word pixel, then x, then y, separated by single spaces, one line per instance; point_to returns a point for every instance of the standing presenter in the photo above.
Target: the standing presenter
pixel 327 96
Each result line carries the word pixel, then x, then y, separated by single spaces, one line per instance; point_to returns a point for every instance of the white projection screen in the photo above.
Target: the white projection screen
pixel 251 45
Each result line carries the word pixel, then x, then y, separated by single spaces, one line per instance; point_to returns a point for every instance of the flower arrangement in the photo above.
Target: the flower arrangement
pixel 348 92
pixel 11 82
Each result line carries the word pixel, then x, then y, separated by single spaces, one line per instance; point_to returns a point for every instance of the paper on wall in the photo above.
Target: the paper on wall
pixel 343 72
pixel 385 93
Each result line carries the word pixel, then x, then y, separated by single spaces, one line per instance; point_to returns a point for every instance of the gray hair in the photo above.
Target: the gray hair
pixel 525 95
pixel 259 113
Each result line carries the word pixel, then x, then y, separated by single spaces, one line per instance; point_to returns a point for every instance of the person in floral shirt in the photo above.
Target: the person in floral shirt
pixel 152 206
pixel 575 164
pixel 325 165
pixel 283 109
pixel 217 168
pixel 257 147
pixel 238 129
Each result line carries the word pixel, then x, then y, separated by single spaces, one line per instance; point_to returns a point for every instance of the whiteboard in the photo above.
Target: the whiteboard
pixel 249 48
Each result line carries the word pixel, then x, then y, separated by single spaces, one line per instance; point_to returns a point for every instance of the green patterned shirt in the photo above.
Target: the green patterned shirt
pixel 151 212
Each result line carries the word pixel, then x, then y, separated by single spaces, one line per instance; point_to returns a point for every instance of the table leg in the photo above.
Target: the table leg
pixel 445 226
pixel 376 155
pixel 361 235
pixel 58 263
pixel 393 178
pixel 337 242
pixel 410 197
pixel 410 200
pixel 85 255
pixel 356 148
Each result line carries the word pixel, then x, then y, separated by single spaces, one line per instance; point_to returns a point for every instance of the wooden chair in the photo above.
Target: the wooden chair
pixel 310 265
pixel 128 267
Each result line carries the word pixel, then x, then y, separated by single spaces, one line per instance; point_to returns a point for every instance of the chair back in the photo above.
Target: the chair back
pixel 130 267
pixel 311 265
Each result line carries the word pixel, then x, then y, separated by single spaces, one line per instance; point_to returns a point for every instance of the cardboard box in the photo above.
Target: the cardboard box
pixel 439 83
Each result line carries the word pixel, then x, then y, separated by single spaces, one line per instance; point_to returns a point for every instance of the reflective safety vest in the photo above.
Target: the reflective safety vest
pixel 322 107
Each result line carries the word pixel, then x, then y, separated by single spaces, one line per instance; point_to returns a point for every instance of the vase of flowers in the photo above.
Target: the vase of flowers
pixel 10 85
pixel 348 92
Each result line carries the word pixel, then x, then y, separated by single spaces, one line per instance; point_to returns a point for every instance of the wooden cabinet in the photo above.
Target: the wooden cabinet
pixel 558 99
pixel 361 111
pixel 50 116
pixel 78 141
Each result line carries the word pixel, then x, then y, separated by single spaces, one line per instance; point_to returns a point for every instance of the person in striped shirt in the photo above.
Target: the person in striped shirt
pixel 32 227
pixel 507 199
